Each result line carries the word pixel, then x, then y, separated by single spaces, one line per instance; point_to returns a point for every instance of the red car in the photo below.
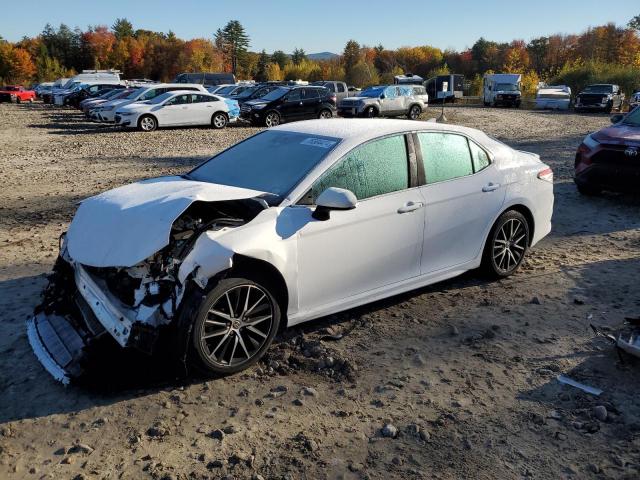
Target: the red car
pixel 17 94
pixel 609 159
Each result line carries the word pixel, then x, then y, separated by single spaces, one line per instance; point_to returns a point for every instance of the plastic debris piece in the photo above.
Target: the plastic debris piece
pixel 632 347
pixel 585 388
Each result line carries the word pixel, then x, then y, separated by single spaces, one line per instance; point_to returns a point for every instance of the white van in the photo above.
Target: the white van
pixel 87 77
pixel 502 89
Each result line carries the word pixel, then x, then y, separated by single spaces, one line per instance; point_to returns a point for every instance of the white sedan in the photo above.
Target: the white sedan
pixel 178 108
pixel 294 223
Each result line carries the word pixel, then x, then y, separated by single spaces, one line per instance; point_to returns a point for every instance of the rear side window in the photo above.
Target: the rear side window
pixel 479 157
pixel 445 156
pixel 341 88
pixel 294 95
pixel 330 86
pixel 312 93
pixel 372 169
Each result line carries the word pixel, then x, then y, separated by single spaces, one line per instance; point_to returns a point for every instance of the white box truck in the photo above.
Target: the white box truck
pixel 502 89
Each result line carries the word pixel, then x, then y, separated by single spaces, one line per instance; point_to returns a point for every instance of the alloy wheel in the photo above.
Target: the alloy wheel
pixel 147 124
pixel 414 113
pixel 272 120
pixel 219 121
pixel 325 114
pixel 237 325
pixel 509 245
pixel 371 112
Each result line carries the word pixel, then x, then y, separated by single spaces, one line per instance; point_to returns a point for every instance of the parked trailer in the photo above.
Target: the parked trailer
pixel 453 88
pixel 408 79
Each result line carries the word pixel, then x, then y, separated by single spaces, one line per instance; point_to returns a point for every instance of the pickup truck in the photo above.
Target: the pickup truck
pixel 339 88
pixel 16 94
pixel 604 97
pixel 384 101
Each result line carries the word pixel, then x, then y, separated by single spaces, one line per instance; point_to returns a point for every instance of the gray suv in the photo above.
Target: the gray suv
pixel 385 101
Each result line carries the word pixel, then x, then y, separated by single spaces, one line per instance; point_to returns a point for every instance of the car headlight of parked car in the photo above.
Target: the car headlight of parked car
pixel 499 96
pixel 590 142
pixel 124 114
pixel 257 107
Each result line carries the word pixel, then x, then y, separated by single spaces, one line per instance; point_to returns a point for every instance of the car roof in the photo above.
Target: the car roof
pixel 362 129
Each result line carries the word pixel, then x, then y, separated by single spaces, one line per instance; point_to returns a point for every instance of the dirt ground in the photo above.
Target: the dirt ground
pixel 463 373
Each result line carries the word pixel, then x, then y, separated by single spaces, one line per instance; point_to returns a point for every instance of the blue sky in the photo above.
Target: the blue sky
pixel 326 25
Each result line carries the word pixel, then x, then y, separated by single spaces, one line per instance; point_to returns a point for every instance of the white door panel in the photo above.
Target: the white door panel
pixel 459 213
pixel 376 244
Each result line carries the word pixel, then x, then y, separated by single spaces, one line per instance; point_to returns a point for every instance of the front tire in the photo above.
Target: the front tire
pixel 219 120
pixel 507 244
pixel 147 123
pixel 272 119
pixel 370 112
pixel 414 112
pixel 234 326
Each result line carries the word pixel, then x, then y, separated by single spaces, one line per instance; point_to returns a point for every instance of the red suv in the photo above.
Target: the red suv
pixel 609 159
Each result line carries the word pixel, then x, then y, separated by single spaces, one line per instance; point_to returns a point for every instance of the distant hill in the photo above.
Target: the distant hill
pixel 322 56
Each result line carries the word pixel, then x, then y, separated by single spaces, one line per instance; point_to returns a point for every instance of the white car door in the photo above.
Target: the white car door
pixel 463 195
pixel 174 111
pixel 203 107
pixel 378 243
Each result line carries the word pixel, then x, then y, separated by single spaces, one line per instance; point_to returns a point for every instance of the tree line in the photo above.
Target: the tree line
pixel 606 53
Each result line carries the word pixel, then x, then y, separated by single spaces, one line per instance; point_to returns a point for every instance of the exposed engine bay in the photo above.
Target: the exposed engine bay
pixel 81 302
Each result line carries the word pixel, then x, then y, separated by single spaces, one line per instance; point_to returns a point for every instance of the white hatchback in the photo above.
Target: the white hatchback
pixel 291 224
pixel 178 108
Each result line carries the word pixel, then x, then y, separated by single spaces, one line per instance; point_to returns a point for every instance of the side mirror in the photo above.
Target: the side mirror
pixel 382 97
pixel 333 199
pixel 617 117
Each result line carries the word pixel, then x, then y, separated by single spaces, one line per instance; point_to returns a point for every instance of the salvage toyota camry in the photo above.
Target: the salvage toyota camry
pixel 291 224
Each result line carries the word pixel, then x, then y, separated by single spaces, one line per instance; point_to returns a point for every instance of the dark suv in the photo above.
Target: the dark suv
pixel 285 104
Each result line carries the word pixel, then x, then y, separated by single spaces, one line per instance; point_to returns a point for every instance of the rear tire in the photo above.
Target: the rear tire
pixel 325 114
pixel 233 326
pixel 147 123
pixel 219 120
pixel 370 112
pixel 506 245
pixel 414 112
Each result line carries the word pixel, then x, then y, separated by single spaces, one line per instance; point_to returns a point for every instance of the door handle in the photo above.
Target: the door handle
pixel 491 187
pixel 300 103
pixel 410 207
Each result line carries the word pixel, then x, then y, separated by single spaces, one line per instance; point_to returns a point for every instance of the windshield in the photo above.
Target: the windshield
pixel 507 87
pixel 632 118
pixel 599 89
pixel 275 94
pixel 225 90
pixel 246 93
pixel 133 95
pixel 372 92
pixel 272 161
pixel 160 98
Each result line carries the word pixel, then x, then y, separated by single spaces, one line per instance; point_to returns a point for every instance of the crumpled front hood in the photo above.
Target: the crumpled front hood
pixel 124 226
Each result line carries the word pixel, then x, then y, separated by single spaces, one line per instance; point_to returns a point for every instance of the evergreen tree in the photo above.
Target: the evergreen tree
pixel 263 64
pixel 298 56
pixel 122 28
pixel 280 58
pixel 233 41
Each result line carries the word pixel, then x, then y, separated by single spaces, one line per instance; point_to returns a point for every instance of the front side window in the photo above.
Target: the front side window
pixel 294 95
pixel 375 168
pixel 179 100
pixel 445 156
pixel 340 88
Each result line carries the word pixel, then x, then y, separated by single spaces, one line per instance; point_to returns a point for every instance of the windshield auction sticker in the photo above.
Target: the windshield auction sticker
pixel 318 142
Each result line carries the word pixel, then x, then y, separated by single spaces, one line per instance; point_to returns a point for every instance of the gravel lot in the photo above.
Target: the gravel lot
pixel 463 373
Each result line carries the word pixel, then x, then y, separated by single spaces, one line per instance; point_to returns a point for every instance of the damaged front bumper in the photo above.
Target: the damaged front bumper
pixel 77 310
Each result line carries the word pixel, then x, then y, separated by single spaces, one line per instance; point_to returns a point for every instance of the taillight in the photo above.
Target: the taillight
pixel 546 175
pixel 333 97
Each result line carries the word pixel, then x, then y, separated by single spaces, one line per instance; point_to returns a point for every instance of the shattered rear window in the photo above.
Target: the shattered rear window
pixel 271 161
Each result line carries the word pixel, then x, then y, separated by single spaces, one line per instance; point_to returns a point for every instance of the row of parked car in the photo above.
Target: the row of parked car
pixel 147 105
